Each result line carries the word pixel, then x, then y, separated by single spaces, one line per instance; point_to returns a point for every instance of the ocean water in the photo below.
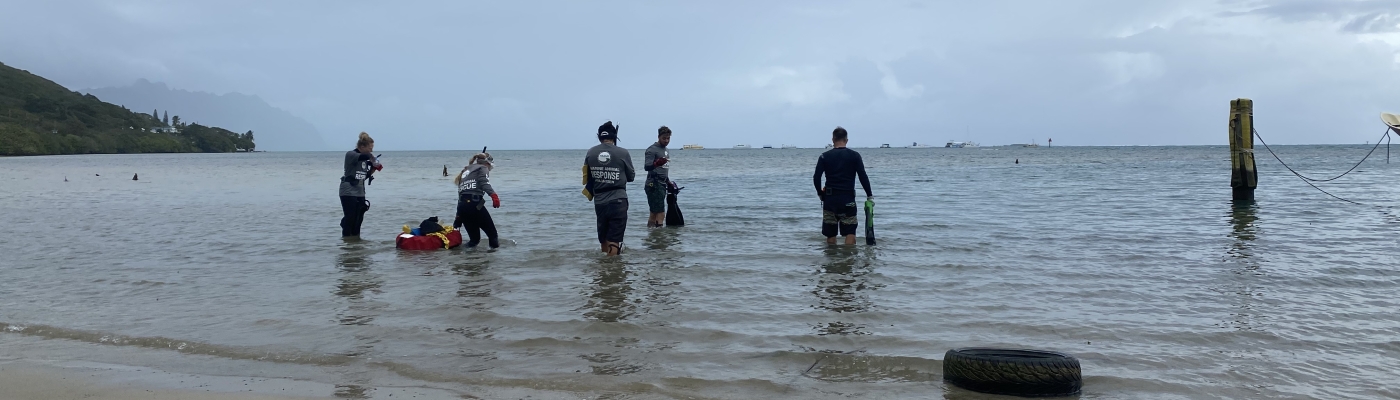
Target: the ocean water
pixel 1133 259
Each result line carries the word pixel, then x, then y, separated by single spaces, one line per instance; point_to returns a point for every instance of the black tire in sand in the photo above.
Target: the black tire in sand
pixel 1017 372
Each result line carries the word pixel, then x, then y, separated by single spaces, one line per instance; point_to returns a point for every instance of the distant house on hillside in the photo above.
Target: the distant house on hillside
pixel 166 129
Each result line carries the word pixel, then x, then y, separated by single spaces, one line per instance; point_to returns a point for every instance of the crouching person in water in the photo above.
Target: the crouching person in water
pixel 473 185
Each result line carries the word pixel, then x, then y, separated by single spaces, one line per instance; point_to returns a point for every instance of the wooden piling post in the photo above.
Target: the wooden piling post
pixel 1243 176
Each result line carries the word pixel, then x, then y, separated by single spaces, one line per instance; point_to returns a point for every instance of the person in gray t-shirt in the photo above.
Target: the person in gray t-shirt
pixel 658 176
pixel 607 169
pixel 360 165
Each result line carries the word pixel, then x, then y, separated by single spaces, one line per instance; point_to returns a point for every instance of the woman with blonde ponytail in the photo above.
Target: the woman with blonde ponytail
pixel 473 185
pixel 360 164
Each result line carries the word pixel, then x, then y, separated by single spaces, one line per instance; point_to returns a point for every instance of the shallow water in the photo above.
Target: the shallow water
pixel 1131 258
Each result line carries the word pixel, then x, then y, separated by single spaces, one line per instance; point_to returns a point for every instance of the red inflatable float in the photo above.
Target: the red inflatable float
pixel 449 238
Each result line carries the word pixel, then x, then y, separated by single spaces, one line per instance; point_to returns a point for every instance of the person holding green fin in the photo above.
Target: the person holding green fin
pixel 473 186
pixel 607 169
pixel 841 166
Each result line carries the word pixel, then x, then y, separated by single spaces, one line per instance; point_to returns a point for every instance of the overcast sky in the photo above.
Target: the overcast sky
pixel 544 74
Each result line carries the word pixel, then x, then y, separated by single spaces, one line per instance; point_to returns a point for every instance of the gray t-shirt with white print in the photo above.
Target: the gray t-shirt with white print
pixel 476 181
pixel 661 173
pixel 609 170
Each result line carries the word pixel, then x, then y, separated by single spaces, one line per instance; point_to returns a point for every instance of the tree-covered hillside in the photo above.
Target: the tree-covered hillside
pixel 40 117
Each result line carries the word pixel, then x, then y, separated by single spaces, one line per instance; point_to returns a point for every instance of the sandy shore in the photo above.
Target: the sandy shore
pixel 35 382
pixel 33 368
pixel 22 380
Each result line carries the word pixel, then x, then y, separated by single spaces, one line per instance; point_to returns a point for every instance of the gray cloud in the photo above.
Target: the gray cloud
pixel 455 75
pixel 1377 22
pixel 1364 16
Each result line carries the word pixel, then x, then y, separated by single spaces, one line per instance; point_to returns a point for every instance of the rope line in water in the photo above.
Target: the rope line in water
pixel 1385 136
pixel 1388 148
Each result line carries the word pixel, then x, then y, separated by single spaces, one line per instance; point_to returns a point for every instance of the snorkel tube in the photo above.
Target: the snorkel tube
pixel 370 181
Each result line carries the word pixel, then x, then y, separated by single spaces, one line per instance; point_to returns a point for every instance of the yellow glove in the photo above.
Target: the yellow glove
pixel 587 194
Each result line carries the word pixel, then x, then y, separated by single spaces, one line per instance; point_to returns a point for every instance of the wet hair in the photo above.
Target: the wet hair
pixel 663 131
pixel 838 135
pixel 478 158
pixel 481 158
pixel 365 140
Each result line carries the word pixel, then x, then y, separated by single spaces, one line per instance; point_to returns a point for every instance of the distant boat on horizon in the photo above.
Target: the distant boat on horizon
pixel 916 145
pixel 885 146
pixel 959 145
pixel 692 147
pixel 767 146
pixel 789 146
pixel 742 146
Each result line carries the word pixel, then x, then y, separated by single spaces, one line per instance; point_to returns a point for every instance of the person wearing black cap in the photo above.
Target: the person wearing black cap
pixel 841 166
pixel 607 169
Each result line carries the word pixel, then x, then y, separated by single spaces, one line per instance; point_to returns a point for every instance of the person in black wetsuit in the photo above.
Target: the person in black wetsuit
pixel 473 187
pixel 359 164
pixel 841 167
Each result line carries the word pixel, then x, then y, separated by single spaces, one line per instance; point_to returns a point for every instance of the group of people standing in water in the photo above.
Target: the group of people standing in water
pixel 607 169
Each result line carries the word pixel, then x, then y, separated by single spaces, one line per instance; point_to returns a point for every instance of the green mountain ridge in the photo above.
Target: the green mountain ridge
pixel 40 117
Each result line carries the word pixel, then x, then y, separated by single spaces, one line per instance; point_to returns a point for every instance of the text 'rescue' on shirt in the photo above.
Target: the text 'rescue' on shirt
pixel 357 167
pixel 609 170
pixel 841 167
pixel 476 181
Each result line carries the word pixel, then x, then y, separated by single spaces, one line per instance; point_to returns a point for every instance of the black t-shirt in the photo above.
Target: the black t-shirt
pixel 841 167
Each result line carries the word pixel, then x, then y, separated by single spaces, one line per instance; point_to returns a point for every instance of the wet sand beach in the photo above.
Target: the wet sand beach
pixel 24 381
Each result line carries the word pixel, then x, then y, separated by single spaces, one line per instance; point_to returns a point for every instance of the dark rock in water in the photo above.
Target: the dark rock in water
pixel 133 177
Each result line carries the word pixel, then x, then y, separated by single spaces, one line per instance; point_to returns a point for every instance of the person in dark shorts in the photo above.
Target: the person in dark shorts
pixel 359 164
pixel 658 177
pixel 473 186
pixel 841 166
pixel 607 169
